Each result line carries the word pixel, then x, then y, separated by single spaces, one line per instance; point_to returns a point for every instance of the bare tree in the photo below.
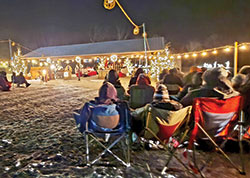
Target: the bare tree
pixel 96 34
pixel 122 33
pixel 194 46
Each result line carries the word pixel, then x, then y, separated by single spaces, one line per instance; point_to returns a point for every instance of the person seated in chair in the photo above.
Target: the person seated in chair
pixel 113 78
pixel 134 78
pixel 20 79
pixel 4 83
pixel 241 83
pixel 196 83
pixel 215 84
pixel 142 92
pixel 163 101
pixel 173 82
pixel 108 103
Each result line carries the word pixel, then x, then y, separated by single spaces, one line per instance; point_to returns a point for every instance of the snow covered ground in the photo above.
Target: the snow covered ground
pixel 38 136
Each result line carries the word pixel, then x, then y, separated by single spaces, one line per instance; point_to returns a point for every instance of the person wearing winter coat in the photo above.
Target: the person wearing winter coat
pixel 113 78
pixel 215 84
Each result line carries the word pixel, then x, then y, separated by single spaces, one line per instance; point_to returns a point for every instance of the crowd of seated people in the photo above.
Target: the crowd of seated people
pixel 213 82
pixel 197 83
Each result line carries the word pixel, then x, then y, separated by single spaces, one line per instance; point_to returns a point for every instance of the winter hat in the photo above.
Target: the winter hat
pixel 245 70
pixel 161 93
pixel 138 72
pixel 238 81
pixel 107 94
pixel 112 76
pixel 217 77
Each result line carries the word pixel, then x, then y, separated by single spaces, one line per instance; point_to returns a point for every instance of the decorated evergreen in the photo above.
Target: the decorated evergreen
pixel 18 65
pixel 101 65
pixel 129 65
pixel 161 61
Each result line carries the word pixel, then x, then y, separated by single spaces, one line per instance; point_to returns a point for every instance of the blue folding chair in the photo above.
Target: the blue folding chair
pixel 107 138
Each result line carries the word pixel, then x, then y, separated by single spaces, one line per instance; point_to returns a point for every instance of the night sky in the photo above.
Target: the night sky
pixel 187 24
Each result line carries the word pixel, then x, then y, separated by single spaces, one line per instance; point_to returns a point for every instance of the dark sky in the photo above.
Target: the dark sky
pixel 187 24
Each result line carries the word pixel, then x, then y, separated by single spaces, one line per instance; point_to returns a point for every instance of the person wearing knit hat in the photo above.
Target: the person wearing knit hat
pixel 107 94
pixel 141 93
pixel 161 94
pixel 162 99
pixel 113 78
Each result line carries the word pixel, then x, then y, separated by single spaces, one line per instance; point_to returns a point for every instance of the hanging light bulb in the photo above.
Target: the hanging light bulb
pixel 144 35
pixel 109 4
pixel 243 47
pixel 204 54
pixel 186 56
pixel 214 52
pixel 136 30
pixel 227 49
pixel 194 55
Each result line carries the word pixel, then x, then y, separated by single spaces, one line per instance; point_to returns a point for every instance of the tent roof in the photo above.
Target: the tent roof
pixel 99 48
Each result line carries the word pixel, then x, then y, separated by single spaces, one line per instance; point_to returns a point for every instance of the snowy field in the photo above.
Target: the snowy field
pixel 38 137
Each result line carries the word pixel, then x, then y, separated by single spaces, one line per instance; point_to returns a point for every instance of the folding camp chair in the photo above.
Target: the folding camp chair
pixel 140 96
pixel 107 138
pixel 163 125
pixel 215 120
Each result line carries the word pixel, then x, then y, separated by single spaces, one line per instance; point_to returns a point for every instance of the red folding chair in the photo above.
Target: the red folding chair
pixel 215 119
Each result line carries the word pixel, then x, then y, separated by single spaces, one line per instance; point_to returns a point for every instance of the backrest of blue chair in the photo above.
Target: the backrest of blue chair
pixel 105 116
pixel 108 118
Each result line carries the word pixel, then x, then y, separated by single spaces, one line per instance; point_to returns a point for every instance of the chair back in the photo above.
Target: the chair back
pixel 108 118
pixel 105 116
pixel 216 116
pixel 140 95
pixel 164 123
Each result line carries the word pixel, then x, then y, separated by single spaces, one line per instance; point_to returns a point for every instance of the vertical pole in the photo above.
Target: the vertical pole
pixel 145 45
pixel 10 49
pixel 79 72
pixel 240 134
pixel 235 58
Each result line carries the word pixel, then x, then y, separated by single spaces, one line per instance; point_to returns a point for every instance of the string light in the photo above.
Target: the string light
pixel 243 47
pixel 194 55
pixel 227 49
pixel 204 54
pixel 214 52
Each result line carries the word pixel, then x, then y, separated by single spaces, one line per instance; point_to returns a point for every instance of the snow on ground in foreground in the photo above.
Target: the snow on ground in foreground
pixel 38 137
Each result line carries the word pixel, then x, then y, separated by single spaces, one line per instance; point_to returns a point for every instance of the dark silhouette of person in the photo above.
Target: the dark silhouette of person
pixel 4 83
pixel 113 78
pixel 134 78
pixel 20 79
